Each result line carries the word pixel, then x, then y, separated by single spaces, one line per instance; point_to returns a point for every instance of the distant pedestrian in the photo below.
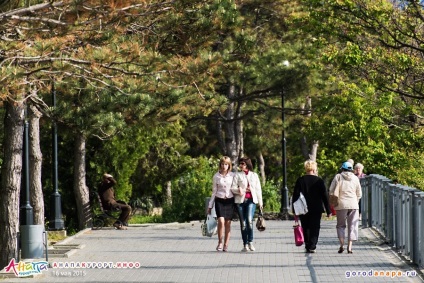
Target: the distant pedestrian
pixel 248 193
pixel 350 160
pixel 315 192
pixel 358 170
pixel 223 199
pixel 107 196
pixel 349 193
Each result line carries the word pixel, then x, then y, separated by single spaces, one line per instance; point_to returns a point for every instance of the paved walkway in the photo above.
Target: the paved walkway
pixel 178 253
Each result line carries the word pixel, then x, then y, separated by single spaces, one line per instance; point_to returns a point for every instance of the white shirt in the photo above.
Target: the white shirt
pixel 221 187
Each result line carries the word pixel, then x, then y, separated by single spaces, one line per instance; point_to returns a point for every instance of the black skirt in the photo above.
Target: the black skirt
pixel 224 208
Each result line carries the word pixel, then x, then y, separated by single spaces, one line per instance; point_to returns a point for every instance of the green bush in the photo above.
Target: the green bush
pixel 271 197
pixel 190 190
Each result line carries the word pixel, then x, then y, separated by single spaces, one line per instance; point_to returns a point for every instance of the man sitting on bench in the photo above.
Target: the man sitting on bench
pixel 107 196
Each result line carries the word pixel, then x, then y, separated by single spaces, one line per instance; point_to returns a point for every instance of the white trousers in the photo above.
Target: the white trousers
pixel 349 218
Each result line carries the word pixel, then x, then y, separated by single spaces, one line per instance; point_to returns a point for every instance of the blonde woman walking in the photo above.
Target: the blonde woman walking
pixel 223 199
pixel 315 192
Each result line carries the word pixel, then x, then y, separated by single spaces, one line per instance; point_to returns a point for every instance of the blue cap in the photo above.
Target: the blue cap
pixel 347 166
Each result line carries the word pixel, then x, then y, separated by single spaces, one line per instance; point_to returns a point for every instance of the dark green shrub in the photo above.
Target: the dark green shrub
pixel 190 190
pixel 271 195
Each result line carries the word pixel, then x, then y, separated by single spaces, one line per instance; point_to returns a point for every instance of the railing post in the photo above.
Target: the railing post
pixel 365 203
pixel 397 213
pixel 390 215
pixel 417 254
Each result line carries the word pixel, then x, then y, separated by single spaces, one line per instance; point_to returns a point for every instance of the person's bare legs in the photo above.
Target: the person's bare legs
pixel 221 223
pixel 227 224
pixel 349 246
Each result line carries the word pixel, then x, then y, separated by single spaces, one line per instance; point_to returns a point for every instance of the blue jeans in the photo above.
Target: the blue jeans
pixel 246 210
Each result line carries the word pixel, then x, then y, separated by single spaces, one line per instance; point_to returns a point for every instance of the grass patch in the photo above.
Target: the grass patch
pixel 141 219
pixel 55 236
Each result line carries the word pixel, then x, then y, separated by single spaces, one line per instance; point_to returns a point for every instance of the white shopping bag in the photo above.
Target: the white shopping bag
pixel 210 226
pixel 300 206
pixel 213 212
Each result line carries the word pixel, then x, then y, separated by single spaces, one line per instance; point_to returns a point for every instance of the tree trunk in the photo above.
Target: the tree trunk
pixel 35 164
pixel 239 136
pixel 230 128
pixel 314 150
pixel 11 173
pixel 262 168
pixel 308 108
pixel 308 154
pixel 305 148
pixel 221 137
pixel 82 195
pixel 168 193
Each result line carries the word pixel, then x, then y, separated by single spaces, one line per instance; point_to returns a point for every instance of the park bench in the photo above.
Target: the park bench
pixel 100 219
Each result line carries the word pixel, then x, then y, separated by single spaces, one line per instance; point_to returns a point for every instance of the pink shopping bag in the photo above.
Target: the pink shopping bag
pixel 298 234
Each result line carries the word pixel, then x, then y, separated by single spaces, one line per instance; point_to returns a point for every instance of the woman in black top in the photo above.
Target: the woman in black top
pixel 313 188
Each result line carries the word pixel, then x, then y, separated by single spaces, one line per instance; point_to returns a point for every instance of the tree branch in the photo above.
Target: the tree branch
pixel 21 18
pixel 31 9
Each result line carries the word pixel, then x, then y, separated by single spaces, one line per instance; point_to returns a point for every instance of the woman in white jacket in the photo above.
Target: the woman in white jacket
pixel 247 194
pixel 349 193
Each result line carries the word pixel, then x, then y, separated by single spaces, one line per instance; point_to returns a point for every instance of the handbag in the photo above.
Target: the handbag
pixel 334 196
pixel 260 223
pixel 300 207
pixel 298 233
pixel 334 200
pixel 210 226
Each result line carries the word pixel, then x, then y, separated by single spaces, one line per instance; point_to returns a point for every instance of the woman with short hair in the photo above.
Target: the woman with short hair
pixel 358 170
pixel 315 192
pixel 349 194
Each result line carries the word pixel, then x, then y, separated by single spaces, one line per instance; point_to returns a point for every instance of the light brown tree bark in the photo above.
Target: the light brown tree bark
pixel 11 173
pixel 262 168
pixel 231 148
pixel 35 165
pixel 308 153
pixel 168 193
pixel 82 194
pixel 231 128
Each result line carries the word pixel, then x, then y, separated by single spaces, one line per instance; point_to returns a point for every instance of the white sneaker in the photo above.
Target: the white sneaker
pixel 251 247
pixel 245 249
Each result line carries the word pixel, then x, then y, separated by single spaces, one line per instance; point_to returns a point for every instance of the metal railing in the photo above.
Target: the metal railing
pixel 397 213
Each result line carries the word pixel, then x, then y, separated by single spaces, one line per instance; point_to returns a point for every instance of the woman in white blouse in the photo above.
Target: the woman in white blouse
pixel 248 193
pixel 223 199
